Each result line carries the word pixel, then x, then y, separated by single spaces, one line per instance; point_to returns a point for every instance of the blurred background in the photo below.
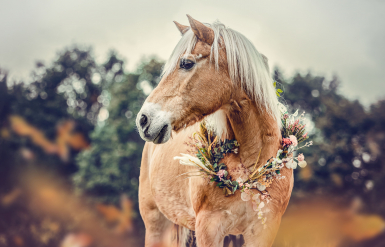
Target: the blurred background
pixel 74 74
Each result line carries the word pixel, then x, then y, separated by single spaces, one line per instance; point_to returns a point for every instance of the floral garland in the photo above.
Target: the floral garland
pixel 207 151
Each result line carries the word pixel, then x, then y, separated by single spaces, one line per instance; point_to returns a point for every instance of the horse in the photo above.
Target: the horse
pixel 216 75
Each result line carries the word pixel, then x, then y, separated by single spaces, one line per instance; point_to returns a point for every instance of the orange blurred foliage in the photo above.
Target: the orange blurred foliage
pixel 315 223
pixel 65 137
pixel 362 227
pixel 321 223
pixel 10 197
pixel 122 217
pixel 18 241
pixel 22 128
pixel 49 198
pixel 306 173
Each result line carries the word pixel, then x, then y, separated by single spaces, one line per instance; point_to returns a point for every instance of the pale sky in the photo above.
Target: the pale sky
pixel 327 37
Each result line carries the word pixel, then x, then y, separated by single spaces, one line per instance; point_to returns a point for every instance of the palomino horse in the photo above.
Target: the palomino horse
pixel 216 75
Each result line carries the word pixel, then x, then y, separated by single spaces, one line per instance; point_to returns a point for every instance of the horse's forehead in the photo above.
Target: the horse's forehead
pixel 201 48
pixel 204 50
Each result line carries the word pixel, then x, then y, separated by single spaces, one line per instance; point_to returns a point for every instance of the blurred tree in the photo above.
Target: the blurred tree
pixel 111 167
pixel 346 161
pixel 72 88
pixel 44 123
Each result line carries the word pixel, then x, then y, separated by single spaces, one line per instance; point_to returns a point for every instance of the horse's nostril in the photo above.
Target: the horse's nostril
pixel 143 120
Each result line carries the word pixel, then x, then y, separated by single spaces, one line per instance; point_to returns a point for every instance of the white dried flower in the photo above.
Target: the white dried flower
pixel 261 187
pixel 282 108
pixel 260 214
pixel 256 198
pixel 279 153
pixel 255 207
pixel 302 164
pixel 291 164
pixel 245 196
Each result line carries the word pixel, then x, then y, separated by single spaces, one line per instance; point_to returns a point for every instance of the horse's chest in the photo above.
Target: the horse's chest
pixel 176 210
pixel 171 194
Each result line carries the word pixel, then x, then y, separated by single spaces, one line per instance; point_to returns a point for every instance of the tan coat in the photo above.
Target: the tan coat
pixel 166 198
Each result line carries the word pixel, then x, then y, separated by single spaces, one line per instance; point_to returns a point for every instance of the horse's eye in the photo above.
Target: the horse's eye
pixel 186 64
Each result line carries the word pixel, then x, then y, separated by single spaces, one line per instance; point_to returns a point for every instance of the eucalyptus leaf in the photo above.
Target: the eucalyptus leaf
pixel 235 188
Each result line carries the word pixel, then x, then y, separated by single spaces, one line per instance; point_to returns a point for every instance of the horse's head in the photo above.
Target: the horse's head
pixel 193 87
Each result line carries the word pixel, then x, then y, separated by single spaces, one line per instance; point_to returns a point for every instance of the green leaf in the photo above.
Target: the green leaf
pixel 275 84
pixel 234 189
pixel 279 90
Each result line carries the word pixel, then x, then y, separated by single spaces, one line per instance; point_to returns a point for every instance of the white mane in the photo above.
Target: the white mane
pixel 245 64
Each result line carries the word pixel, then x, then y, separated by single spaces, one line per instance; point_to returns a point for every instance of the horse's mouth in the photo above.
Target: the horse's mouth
pixel 187 122
pixel 160 136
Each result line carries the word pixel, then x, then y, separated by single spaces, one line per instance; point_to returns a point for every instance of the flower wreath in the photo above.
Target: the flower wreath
pixel 208 151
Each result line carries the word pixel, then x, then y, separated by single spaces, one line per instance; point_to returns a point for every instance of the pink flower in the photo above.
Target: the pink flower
pixel 301 157
pixel 293 139
pixel 304 136
pixel 286 142
pixel 221 174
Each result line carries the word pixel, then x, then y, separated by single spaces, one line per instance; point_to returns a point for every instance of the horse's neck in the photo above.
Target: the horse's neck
pixel 254 130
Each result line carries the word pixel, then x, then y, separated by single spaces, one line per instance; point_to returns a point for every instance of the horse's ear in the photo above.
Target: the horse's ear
pixel 182 28
pixel 200 30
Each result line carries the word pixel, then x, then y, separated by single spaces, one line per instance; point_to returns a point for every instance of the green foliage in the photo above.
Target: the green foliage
pixel 348 153
pixel 111 167
pixel 72 88
pixel 59 92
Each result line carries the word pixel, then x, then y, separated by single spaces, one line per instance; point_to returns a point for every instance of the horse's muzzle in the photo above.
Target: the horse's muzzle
pixel 153 124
